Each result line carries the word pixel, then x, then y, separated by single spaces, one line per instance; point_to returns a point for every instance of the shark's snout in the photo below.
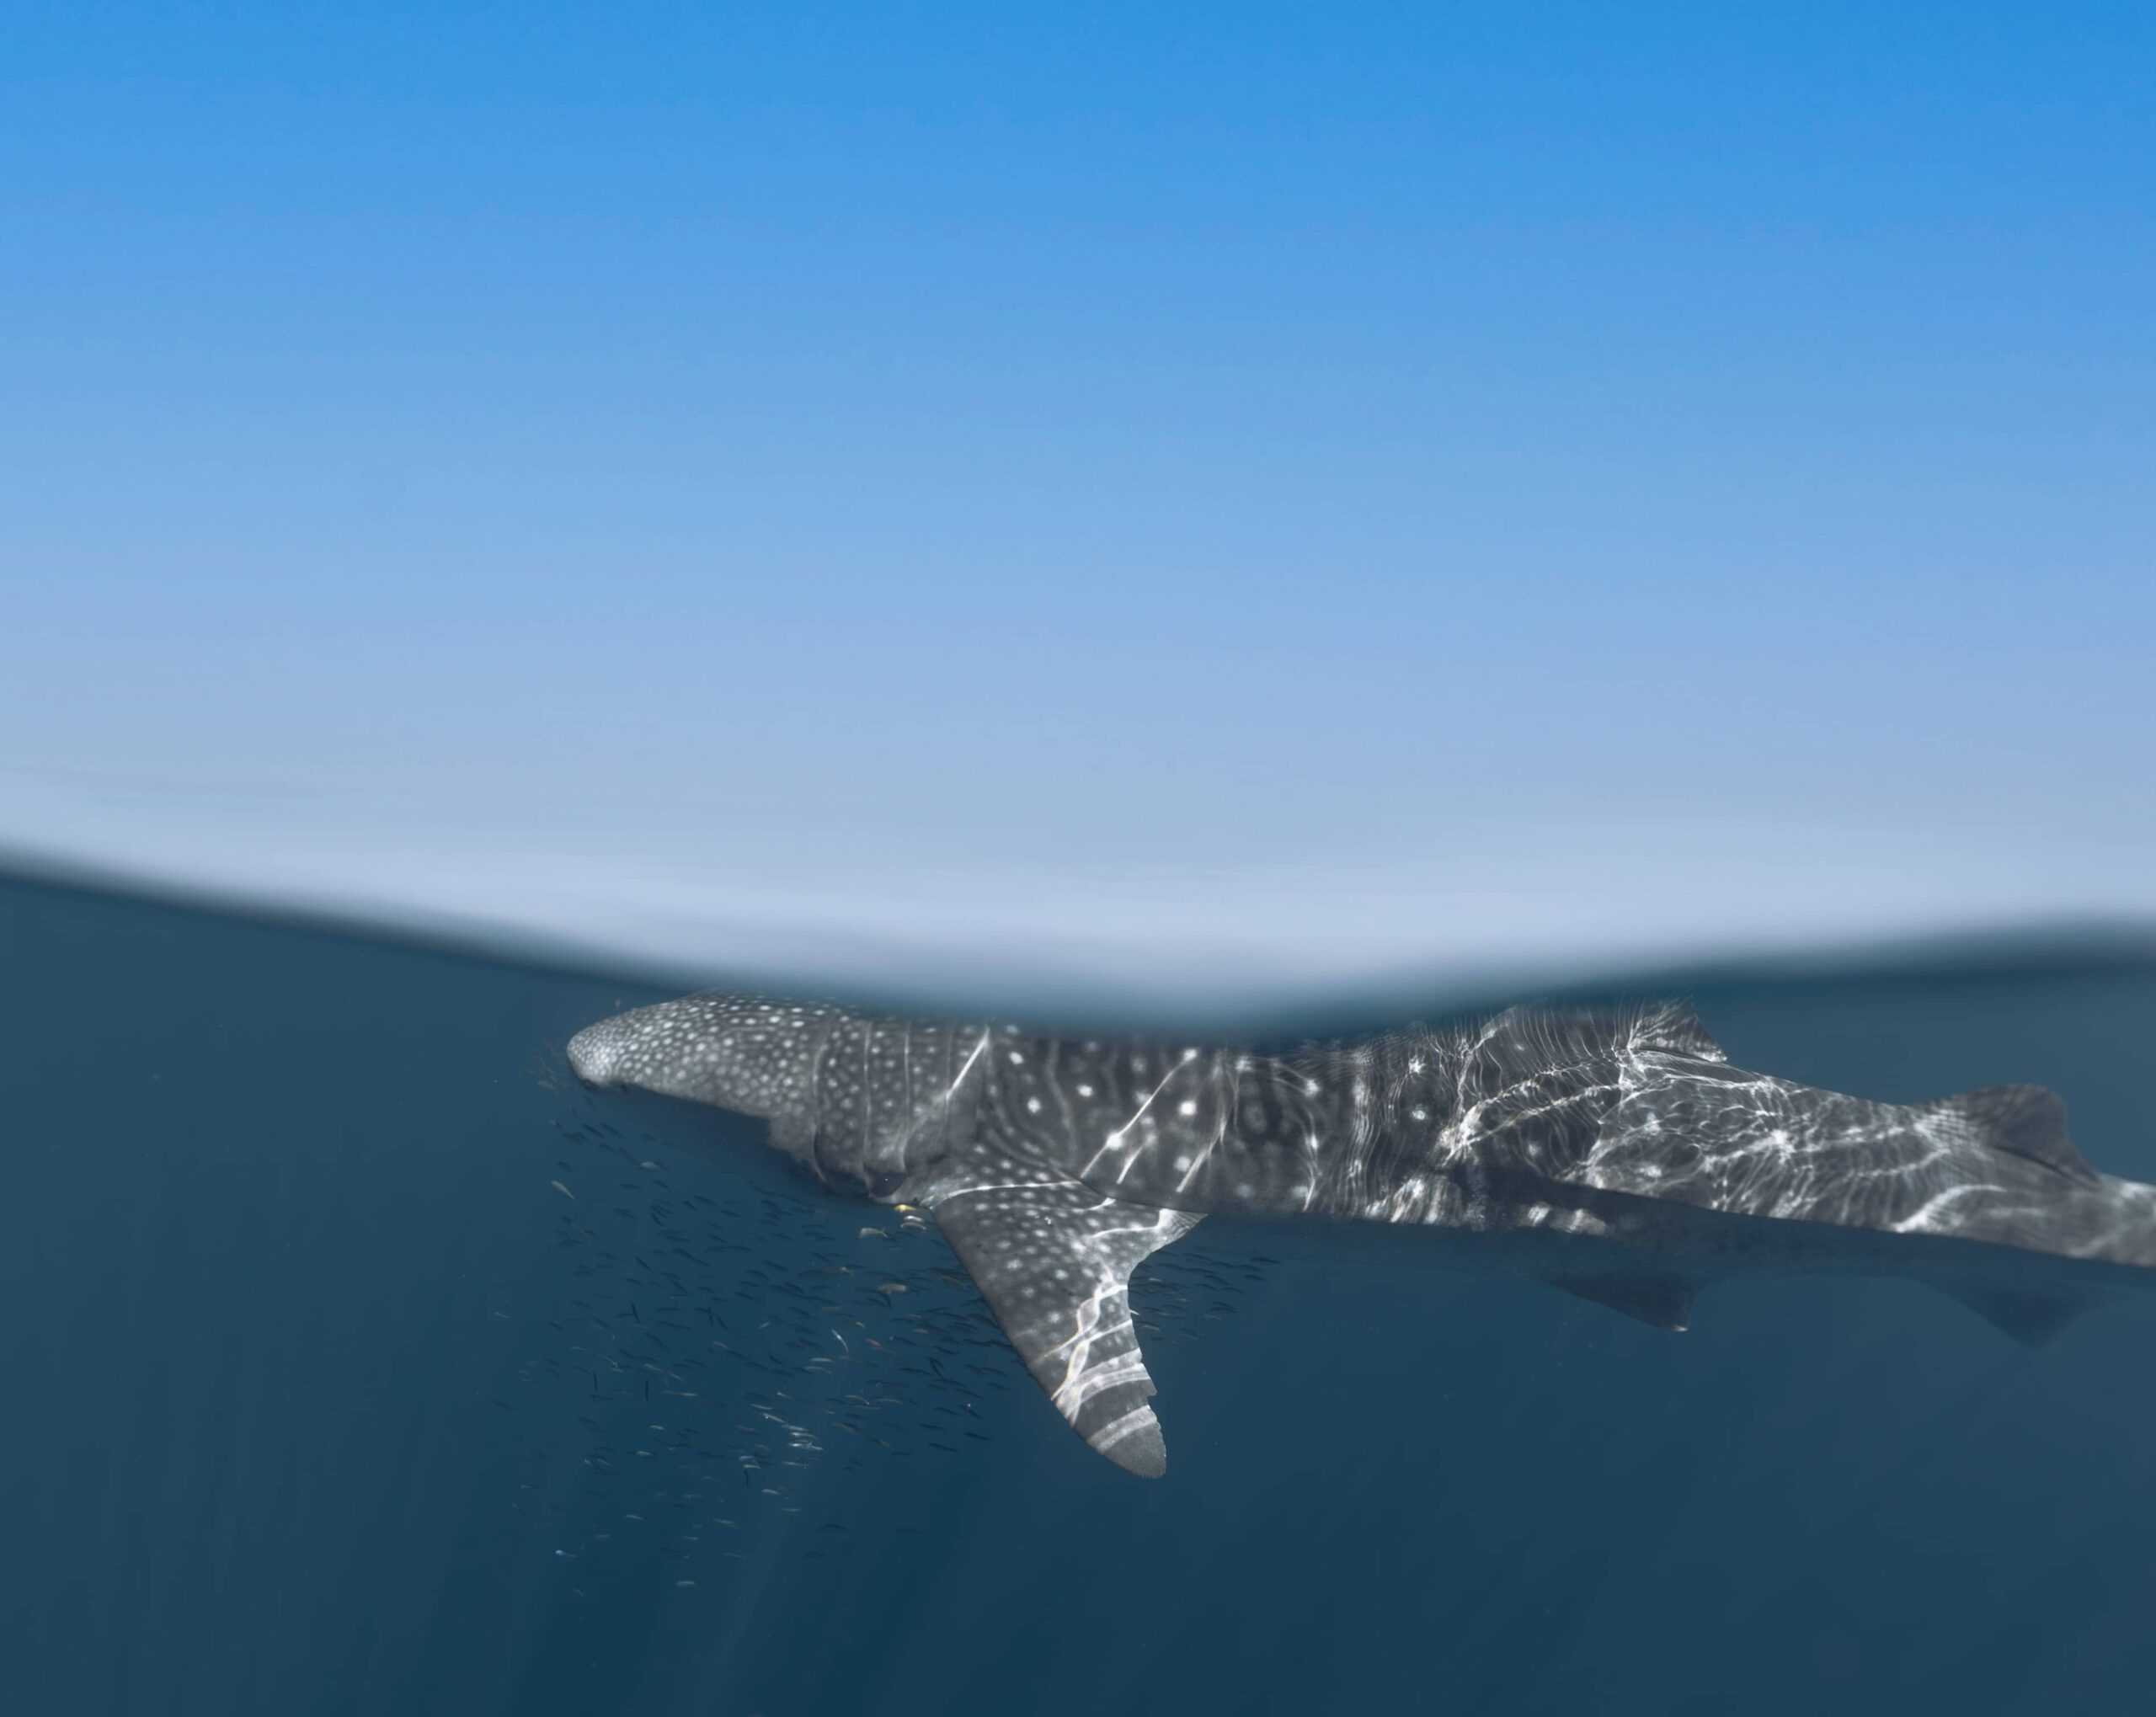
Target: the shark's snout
pixel 595 1051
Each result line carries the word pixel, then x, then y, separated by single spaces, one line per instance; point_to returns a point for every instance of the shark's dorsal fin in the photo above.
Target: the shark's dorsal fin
pixel 1672 1026
pixel 1052 1259
pixel 2029 1120
pixel 1664 1303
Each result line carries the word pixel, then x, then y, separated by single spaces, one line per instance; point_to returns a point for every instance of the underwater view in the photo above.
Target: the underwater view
pixel 366 1359
pixel 964 860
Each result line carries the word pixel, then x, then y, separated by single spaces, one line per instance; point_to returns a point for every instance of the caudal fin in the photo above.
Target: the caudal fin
pixel 2031 1315
pixel 2027 1121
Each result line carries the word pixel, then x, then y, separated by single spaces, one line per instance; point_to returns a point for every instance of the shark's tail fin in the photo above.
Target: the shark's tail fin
pixel 2027 1121
pixel 2031 1315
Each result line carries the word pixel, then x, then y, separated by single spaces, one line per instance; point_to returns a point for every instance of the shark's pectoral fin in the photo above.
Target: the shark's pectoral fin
pixel 1664 1303
pixel 1054 1260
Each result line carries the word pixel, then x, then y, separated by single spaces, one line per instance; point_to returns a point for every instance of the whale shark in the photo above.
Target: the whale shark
pixel 1612 1152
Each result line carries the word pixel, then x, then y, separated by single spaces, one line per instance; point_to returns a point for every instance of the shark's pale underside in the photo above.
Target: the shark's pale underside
pixel 1614 1153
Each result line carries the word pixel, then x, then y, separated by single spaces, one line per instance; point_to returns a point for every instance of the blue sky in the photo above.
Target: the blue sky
pixel 1325 487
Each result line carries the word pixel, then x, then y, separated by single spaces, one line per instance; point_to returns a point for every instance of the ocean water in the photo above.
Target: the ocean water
pixel 323 1396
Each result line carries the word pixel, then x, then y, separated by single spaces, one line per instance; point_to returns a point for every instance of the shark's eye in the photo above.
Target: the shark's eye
pixel 883 1183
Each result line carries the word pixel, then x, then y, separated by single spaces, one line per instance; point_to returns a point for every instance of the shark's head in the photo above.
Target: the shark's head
pixel 945 1116
pixel 841 1102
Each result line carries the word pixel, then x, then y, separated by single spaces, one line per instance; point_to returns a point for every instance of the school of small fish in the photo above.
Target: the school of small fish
pixel 722 1342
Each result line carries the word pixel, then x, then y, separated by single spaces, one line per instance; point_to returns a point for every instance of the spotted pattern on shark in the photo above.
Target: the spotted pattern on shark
pixel 1614 1154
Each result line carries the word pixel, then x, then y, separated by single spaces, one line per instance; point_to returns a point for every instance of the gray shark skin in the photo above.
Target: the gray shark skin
pixel 1615 1155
